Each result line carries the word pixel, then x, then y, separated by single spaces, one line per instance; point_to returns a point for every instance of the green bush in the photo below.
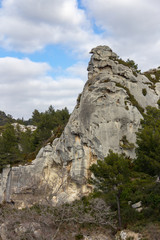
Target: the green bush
pixel 154 72
pixel 144 91
pixel 131 64
pixel 158 102
pixel 18 147
pixel 79 237
pixel 126 144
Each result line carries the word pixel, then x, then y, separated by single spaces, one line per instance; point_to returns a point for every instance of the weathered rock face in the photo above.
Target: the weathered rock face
pixel 107 116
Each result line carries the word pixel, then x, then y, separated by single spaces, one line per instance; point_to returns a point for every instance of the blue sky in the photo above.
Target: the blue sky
pixel 44 46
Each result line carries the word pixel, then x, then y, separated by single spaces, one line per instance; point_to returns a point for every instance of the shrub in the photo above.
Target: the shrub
pixel 158 102
pixel 131 64
pixel 144 91
pixel 126 144
pixel 79 236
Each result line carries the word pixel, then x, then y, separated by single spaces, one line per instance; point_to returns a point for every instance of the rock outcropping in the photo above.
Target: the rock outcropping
pixel 24 128
pixel 107 116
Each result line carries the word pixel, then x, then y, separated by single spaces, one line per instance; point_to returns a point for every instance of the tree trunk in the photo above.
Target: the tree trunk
pixel 119 211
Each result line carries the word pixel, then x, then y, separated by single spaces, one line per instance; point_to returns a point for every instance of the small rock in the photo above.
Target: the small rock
pixel 137 205
pixel 126 234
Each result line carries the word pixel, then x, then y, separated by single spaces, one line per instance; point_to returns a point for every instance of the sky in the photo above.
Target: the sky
pixel 45 45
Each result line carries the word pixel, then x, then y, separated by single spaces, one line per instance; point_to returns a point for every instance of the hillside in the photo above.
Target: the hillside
pixel 107 116
pixel 20 142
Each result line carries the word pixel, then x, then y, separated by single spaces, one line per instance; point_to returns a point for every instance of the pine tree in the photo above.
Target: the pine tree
pixel 148 141
pixel 112 175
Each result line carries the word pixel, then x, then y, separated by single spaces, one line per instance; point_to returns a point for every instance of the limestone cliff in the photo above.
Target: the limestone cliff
pixel 107 116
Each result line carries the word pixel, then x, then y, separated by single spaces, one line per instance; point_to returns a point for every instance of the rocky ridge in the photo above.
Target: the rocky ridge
pixel 107 116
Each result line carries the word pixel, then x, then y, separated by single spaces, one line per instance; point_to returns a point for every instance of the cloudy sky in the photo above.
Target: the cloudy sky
pixel 45 44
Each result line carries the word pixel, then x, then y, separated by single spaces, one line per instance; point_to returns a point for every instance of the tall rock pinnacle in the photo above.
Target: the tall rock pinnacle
pixel 107 116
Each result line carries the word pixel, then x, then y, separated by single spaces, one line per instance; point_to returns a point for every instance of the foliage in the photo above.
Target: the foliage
pixel 58 222
pixel 155 73
pixel 78 100
pixel 4 119
pixel 144 91
pixel 158 102
pixel 112 173
pixel 48 122
pixel 9 151
pixel 125 144
pixel 19 147
pixel 129 63
pixel 112 176
pixel 147 166
pixel 79 236
pixel 148 141
pixel 132 64
pixel 121 186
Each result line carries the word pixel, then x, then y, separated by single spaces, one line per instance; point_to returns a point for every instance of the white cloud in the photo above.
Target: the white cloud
pixel 132 27
pixel 28 26
pixel 26 85
pixel 20 69
pixel 79 69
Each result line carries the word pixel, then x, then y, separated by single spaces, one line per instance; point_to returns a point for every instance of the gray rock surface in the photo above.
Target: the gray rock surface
pixel 107 116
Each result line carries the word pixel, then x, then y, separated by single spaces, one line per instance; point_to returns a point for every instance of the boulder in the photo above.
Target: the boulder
pixel 127 234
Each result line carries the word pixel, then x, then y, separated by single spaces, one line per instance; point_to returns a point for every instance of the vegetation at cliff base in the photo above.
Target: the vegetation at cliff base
pixel 131 187
pixel 111 176
pixel 148 140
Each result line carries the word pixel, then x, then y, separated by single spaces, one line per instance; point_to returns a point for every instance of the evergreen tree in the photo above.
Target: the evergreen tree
pixel 9 139
pixel 18 147
pixel 148 141
pixel 36 117
pixel 9 148
pixel 132 64
pixel 111 175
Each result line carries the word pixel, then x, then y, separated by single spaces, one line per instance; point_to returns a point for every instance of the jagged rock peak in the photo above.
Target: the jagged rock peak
pixel 102 57
pixel 102 52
